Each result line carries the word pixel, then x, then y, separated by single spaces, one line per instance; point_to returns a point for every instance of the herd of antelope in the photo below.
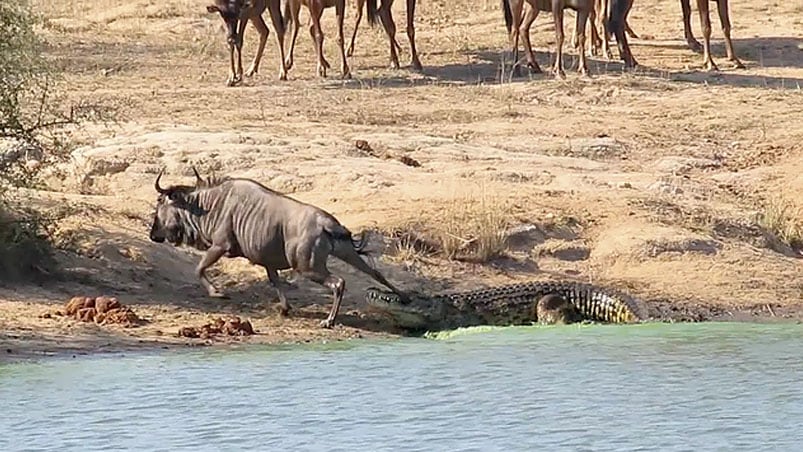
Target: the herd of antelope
pixel 607 17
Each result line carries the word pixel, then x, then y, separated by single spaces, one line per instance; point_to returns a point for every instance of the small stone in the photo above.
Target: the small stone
pixel 625 185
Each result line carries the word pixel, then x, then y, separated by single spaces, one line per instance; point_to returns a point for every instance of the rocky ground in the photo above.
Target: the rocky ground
pixel 681 186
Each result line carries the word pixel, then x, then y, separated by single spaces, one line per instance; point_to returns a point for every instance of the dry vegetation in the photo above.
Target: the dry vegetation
pixel 680 186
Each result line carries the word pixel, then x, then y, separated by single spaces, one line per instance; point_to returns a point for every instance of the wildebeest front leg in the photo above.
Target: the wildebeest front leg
pixel 338 287
pixel 277 284
pixel 213 254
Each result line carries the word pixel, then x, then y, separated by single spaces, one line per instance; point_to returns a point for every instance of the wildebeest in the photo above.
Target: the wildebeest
pixel 512 10
pixel 236 14
pixel 705 23
pixel 315 8
pixel 237 217
pixel 385 15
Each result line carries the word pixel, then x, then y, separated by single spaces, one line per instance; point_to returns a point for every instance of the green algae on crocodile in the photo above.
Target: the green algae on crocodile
pixel 515 304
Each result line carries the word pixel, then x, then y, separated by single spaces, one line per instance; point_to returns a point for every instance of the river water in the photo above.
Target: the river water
pixel 681 387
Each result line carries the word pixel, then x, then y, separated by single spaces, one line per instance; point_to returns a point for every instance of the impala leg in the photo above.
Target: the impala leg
pixel 263 31
pixel 524 31
pixel 415 63
pixel 390 29
pixel 694 45
pixel 360 7
pixel 340 11
pixel 557 14
pixel 705 20
pixel 280 27
pixel 516 7
pixel 294 7
pixel 580 26
pixel 724 19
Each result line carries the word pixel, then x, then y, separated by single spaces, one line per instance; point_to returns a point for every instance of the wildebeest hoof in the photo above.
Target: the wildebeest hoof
pixel 346 75
pixel 416 65
pixel 560 75
pixel 326 323
pixel 250 72
pixel 218 295
pixel 288 64
pixel 737 64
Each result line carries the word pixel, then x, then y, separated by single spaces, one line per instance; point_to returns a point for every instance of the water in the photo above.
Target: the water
pixel 686 387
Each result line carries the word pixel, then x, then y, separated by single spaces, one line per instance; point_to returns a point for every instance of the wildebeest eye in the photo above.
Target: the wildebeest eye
pixel 174 196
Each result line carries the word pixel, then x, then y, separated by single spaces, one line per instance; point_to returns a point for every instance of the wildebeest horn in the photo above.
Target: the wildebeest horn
pixel 198 179
pixel 156 184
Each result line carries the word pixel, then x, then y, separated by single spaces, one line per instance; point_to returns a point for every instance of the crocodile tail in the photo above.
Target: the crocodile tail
pixel 604 305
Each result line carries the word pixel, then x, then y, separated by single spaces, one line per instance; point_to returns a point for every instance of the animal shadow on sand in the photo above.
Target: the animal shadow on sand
pixel 493 66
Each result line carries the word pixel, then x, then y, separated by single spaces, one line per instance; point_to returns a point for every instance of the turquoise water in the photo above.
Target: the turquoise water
pixel 681 387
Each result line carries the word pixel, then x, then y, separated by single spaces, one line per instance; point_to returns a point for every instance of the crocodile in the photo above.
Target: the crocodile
pixel 514 304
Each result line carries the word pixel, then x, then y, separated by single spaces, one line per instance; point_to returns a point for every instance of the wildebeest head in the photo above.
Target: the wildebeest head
pixel 172 220
pixel 229 11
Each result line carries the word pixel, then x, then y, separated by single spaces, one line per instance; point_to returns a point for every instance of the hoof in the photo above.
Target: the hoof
pixel 694 45
pixel 327 324
pixel 346 76
pixel 416 65
pixel 218 295
pixel 250 72
pixel 738 64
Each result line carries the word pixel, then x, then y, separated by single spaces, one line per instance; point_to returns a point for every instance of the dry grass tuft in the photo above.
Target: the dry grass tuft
pixel 783 220
pixel 472 228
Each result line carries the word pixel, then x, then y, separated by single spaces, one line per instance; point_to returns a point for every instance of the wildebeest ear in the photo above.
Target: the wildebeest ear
pixel 212 9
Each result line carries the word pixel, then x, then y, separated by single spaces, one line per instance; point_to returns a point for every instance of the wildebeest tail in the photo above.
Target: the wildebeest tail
pixel 372 10
pixel 508 15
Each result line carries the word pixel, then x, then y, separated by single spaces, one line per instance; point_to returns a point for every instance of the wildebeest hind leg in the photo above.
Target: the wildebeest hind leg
pixel 213 254
pixel 277 284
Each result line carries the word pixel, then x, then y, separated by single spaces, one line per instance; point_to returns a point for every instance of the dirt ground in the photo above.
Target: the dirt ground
pixel 660 182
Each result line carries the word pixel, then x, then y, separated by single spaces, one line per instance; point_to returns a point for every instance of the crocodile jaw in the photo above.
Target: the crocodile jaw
pixel 416 315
